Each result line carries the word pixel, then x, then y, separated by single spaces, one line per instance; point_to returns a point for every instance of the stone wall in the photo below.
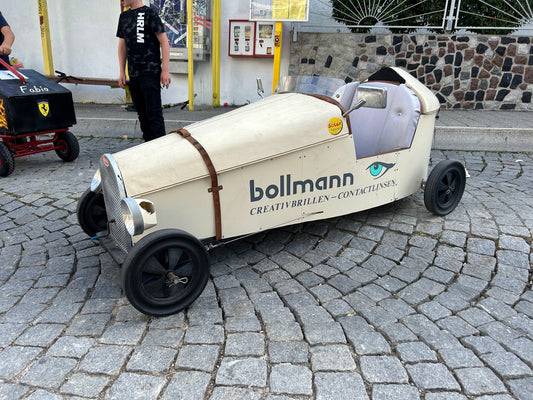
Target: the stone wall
pixel 464 71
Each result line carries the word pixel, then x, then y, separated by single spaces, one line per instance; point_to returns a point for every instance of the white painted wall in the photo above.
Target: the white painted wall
pixel 84 44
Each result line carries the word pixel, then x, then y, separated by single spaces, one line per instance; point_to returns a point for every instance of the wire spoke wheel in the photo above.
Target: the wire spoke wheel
pixel 165 272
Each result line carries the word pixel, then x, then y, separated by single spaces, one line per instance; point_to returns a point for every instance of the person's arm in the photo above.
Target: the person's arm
pixel 165 55
pixel 122 53
pixel 9 38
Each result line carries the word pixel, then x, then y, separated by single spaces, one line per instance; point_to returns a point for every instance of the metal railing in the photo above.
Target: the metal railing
pixel 498 16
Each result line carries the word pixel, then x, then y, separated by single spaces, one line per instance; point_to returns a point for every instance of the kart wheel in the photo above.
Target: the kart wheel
pixel 91 212
pixel 69 148
pixel 445 187
pixel 7 161
pixel 165 272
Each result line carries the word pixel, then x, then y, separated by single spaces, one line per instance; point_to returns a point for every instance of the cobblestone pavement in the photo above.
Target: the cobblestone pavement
pixel 393 303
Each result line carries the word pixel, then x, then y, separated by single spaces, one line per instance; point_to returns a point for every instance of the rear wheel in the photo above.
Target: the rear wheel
pixel 91 212
pixel 165 272
pixel 445 187
pixel 7 161
pixel 69 148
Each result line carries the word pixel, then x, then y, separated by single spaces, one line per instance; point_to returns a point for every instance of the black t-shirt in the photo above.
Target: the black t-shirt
pixel 139 28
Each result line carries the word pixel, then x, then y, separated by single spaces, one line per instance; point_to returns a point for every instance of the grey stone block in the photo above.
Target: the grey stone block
pixel 84 385
pixel 197 357
pixel 189 385
pixel 479 381
pixel 383 369
pixel 288 352
pixel 339 386
pixel 415 352
pixel 130 386
pixel 432 377
pixel 291 379
pixel 332 358
pixel 246 372
pixel 245 344
pixel 394 392
pixel 48 372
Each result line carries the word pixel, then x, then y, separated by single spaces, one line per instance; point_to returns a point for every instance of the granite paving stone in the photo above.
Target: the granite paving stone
pixel 391 392
pixel 187 384
pixel 246 371
pixel 133 386
pixel 333 357
pixel 430 376
pixel 383 369
pixel 340 386
pixel 291 379
pixel 479 381
pixel 388 303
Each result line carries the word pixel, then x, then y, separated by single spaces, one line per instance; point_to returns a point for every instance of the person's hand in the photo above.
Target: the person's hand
pixel 165 79
pixel 5 50
pixel 18 65
pixel 122 81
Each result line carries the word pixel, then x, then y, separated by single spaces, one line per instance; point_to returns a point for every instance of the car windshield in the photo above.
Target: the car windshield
pixel 309 84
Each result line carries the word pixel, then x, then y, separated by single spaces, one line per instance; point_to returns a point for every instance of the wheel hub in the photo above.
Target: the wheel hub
pixel 173 279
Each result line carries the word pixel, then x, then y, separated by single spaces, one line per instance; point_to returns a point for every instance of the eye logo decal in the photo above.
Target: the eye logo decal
pixel 378 169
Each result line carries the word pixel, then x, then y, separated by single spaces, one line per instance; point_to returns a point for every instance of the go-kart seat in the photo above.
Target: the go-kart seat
pixel 344 95
pixel 381 130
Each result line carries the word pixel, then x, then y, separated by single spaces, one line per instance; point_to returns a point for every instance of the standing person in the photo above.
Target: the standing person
pixel 7 37
pixel 142 41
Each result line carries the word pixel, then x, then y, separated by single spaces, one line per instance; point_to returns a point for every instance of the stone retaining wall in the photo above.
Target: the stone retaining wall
pixel 464 71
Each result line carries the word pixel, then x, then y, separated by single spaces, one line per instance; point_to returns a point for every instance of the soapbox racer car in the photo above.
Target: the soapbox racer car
pixel 292 157
pixel 35 114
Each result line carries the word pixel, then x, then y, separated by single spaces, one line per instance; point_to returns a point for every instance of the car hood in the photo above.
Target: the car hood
pixel 280 124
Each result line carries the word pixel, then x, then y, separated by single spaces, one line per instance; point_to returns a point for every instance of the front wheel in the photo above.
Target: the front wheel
pixel 7 161
pixel 445 187
pixel 68 146
pixel 165 272
pixel 91 212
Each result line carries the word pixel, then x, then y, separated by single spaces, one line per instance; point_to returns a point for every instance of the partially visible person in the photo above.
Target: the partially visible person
pixel 7 37
pixel 143 43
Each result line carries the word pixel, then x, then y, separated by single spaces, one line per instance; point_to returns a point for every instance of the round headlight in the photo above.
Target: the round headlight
pixel 96 182
pixel 132 216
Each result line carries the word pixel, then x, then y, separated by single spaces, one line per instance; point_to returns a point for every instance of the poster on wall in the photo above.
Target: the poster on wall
pixel 279 10
pixel 173 13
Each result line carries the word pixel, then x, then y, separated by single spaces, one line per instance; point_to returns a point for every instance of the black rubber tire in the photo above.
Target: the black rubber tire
pixel 145 272
pixel 444 188
pixel 7 161
pixel 69 148
pixel 91 212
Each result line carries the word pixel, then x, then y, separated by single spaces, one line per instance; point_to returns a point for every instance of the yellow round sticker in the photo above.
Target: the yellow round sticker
pixel 335 126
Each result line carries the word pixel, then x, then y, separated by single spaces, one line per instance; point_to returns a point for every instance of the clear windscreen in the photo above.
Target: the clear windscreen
pixel 309 84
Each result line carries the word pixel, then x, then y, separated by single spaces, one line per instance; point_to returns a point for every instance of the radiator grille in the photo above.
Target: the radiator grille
pixel 114 192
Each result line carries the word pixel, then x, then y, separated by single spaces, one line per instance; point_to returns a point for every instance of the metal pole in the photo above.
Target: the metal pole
pixel 450 17
pixel 216 53
pixel 190 53
pixel 277 54
pixel 45 38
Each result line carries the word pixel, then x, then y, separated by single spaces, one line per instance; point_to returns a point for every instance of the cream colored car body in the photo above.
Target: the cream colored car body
pixel 287 159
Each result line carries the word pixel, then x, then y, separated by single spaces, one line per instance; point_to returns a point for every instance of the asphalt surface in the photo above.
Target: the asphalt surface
pixel 393 303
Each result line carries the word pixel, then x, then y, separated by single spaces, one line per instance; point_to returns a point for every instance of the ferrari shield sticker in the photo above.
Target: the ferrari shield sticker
pixel 44 108
pixel 3 119
pixel 335 126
